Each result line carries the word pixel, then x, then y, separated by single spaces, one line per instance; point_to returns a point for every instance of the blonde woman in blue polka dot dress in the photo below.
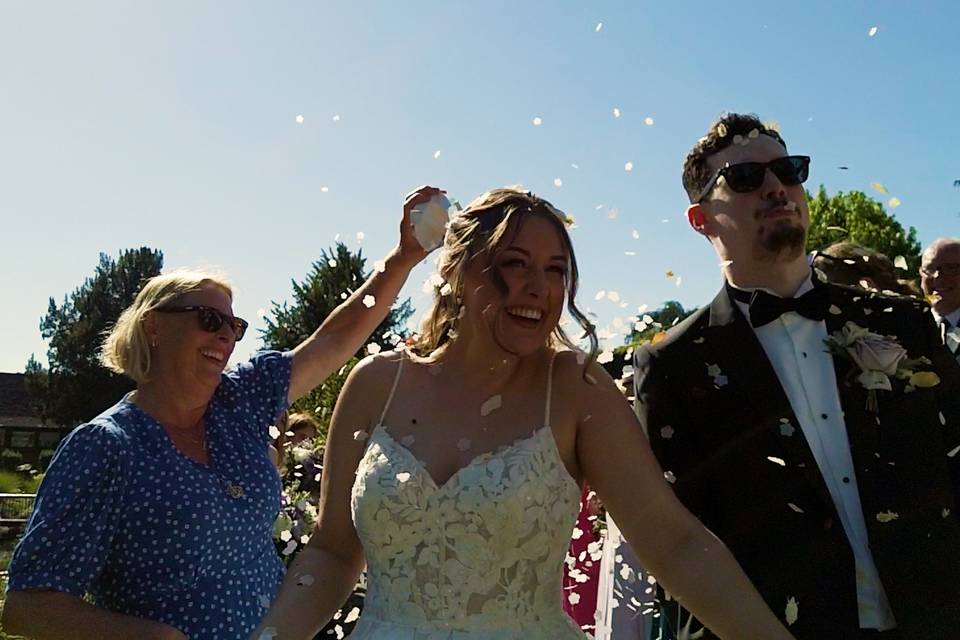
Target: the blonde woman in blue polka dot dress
pixel 160 510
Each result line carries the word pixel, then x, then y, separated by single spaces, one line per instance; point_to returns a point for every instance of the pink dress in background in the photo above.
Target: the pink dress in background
pixel 582 569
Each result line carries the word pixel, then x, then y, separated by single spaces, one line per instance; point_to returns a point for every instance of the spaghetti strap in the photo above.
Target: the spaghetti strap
pixel 396 379
pixel 546 410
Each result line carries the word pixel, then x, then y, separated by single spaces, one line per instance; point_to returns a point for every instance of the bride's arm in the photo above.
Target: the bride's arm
pixel 689 561
pixel 333 558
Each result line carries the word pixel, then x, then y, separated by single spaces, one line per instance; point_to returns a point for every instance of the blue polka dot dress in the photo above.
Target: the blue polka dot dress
pixel 124 516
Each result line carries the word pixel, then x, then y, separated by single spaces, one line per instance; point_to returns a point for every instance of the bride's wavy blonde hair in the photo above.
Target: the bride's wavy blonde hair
pixel 478 233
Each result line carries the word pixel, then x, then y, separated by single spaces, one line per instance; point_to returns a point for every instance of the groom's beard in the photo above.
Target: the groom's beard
pixel 784 241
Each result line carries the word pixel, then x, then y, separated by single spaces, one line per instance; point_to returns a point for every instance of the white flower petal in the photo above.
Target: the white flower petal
pixel 492 404
pixel 792 610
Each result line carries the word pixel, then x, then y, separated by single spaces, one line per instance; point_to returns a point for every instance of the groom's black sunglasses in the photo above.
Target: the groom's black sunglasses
pixel 211 319
pixel 748 176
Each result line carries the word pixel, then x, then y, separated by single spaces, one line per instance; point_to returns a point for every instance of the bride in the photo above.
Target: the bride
pixel 453 468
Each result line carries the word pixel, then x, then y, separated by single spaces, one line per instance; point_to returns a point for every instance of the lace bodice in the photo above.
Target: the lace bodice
pixel 479 556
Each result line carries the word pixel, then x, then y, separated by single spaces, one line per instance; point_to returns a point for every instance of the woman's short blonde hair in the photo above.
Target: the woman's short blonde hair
pixel 126 349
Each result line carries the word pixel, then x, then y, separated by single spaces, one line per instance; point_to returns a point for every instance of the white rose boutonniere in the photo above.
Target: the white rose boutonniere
pixel 879 358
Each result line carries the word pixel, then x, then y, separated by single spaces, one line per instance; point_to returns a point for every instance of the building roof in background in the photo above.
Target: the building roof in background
pixel 16 409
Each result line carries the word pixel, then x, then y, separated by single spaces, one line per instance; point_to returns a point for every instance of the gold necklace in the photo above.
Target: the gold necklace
pixel 200 439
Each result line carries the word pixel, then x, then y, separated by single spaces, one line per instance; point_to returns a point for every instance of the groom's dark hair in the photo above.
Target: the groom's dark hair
pixel 722 134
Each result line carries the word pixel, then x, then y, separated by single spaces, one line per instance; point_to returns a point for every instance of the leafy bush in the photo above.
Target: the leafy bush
pixel 10 482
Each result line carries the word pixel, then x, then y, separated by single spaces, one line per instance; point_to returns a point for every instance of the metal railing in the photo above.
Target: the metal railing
pixel 15 508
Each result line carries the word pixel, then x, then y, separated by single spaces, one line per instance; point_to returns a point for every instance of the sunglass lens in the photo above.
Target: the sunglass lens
pixel 209 319
pixel 745 177
pixel 239 328
pixel 791 170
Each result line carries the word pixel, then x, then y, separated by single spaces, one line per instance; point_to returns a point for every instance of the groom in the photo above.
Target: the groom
pixel 837 500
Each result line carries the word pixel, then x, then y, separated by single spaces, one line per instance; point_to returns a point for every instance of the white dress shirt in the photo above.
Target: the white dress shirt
pixel 794 345
pixel 951 336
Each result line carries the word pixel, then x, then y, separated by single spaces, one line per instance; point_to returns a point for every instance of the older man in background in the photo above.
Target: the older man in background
pixel 940 279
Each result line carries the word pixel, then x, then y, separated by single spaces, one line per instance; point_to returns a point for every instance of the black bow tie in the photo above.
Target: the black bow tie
pixel 766 307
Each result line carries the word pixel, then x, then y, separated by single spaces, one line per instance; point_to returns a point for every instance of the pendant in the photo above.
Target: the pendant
pixel 234 490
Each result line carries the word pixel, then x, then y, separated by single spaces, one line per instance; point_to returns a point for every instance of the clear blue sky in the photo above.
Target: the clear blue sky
pixel 173 125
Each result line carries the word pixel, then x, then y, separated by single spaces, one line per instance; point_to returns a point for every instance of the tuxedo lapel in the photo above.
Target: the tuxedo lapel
pixel 742 358
pixel 863 429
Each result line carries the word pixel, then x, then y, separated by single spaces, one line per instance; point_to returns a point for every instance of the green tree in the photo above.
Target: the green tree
pixel 856 217
pixel 644 329
pixel 331 279
pixel 75 387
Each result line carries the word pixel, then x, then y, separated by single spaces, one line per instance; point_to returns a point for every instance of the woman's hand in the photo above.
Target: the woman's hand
pixel 410 249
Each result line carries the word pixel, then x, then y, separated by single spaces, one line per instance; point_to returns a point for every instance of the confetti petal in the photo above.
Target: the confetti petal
pixel 598 28
pixel 463 444
pixel 373 348
pixel 491 405
pixel 305 580
pixel 648 121
pixel 403 476
pixel 436 154
pixel 628 166
pixel 777 460
pixel 666 432
pixel 379 266
pixel 353 615
pixel 299 119
pixel 557 182
pixel 900 263
pixel 369 301
pixel 872 32
pixel 887 516
pixel 537 121
pixel 792 610
pixel 878 187
pixel 894 202
pixel 360 435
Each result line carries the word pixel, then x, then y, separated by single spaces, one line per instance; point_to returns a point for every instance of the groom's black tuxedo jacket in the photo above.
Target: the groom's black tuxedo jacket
pixel 780 521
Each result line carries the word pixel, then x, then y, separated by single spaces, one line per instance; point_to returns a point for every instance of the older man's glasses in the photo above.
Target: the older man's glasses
pixel 211 319
pixel 948 269
pixel 748 176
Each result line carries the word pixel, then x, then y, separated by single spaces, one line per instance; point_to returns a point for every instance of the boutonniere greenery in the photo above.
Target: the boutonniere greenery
pixel 879 358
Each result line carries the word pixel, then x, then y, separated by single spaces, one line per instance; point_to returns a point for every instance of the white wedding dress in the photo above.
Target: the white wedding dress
pixel 477 558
